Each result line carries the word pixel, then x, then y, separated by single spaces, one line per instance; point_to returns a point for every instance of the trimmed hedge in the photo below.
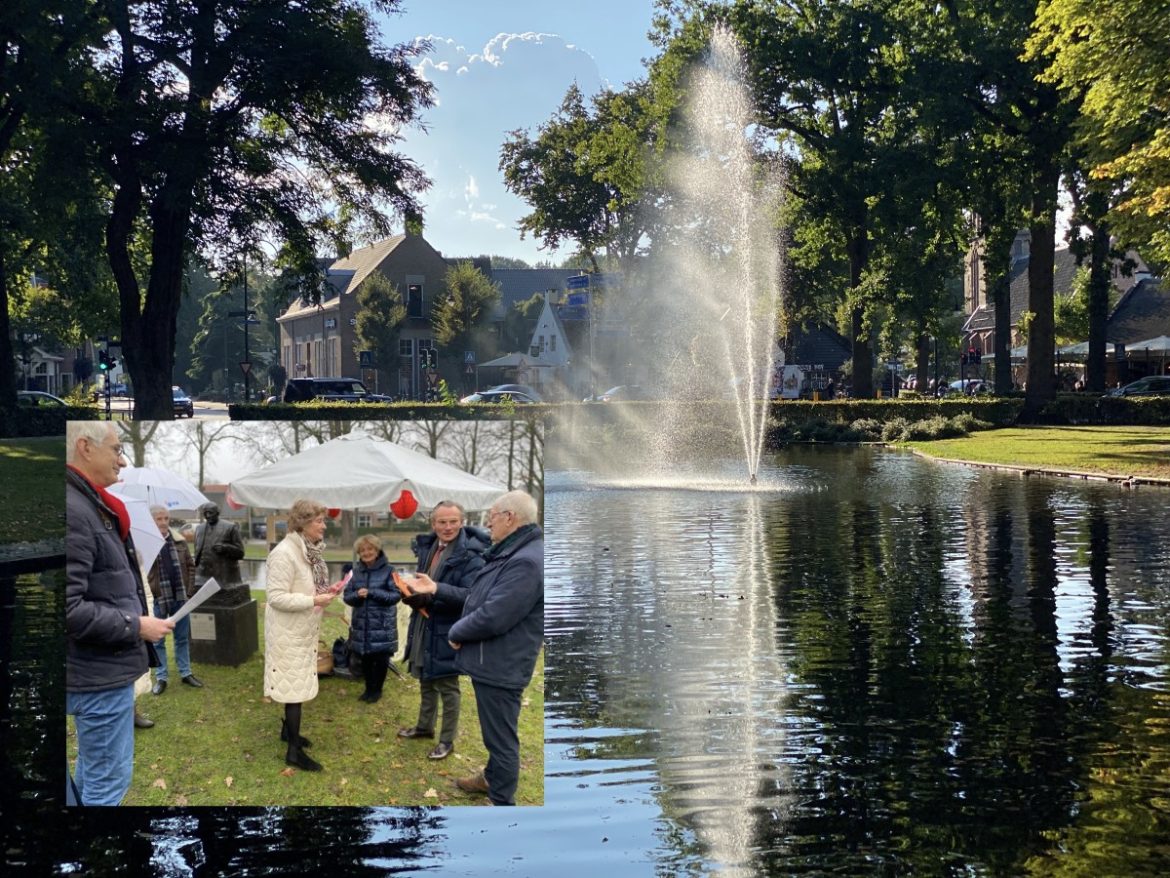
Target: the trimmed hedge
pixel 37 421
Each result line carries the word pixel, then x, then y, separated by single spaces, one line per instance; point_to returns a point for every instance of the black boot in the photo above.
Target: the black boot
pixel 302 742
pixel 300 759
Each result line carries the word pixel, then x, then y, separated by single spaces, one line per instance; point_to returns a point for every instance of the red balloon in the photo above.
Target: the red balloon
pixel 231 501
pixel 405 506
pixel 333 513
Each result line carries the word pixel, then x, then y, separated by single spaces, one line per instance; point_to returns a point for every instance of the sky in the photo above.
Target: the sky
pixel 498 67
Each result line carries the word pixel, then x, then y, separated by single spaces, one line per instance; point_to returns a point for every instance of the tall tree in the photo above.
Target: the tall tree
pixel 381 315
pixel 585 174
pixel 1113 53
pixel 222 121
pixel 827 77
pixel 460 318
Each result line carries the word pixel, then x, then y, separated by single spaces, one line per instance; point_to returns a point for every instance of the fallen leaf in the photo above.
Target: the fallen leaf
pixel 432 793
pixel 229 780
pixel 160 783
pixel 181 801
pixel 344 781
pixel 288 772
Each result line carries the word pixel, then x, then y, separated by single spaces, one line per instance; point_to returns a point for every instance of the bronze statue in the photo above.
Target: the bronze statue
pixel 218 549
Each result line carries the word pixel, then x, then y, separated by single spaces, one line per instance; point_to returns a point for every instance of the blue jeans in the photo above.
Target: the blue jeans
pixel 182 635
pixel 105 743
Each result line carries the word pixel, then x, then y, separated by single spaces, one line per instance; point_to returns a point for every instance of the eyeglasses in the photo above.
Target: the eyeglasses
pixel 118 450
pixel 492 513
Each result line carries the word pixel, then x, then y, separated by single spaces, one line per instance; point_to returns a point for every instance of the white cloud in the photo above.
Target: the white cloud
pixel 516 81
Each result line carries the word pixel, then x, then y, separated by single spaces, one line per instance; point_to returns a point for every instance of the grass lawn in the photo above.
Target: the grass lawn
pixel 32 489
pixel 1117 451
pixel 220 745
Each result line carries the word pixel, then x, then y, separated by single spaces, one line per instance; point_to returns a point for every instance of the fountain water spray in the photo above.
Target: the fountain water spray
pixel 720 288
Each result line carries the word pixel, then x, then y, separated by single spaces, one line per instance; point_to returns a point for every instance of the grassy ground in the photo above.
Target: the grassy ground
pixel 220 745
pixel 1118 451
pixel 32 489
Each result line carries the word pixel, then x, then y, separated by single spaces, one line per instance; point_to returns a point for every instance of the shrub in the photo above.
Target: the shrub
pixel 895 430
pixel 868 429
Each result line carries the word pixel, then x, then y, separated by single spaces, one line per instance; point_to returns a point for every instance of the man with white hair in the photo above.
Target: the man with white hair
pixel 499 636
pixel 171 581
pixel 109 631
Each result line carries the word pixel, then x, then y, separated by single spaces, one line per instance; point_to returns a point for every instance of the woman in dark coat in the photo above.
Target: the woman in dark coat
pixel 373 628
pixel 452 555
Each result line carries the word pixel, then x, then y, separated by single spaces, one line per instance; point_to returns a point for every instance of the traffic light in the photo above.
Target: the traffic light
pixel 104 362
pixel 963 359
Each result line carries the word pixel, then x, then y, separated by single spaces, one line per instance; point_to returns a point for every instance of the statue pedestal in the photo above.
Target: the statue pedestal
pixel 224 630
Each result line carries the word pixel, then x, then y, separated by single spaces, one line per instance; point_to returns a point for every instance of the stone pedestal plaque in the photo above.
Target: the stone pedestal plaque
pixel 224 635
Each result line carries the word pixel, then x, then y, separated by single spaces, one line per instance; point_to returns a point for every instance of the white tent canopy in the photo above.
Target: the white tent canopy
pixel 1159 345
pixel 361 473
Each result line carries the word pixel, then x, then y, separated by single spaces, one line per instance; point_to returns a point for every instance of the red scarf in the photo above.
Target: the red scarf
pixel 115 505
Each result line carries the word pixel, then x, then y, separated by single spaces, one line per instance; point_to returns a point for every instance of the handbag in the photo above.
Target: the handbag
pixel 324 659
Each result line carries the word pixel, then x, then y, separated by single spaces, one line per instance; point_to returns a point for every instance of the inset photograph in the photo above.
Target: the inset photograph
pixel 305 613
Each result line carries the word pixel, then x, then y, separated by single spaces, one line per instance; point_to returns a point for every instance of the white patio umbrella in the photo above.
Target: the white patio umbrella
pixel 148 542
pixel 361 473
pixel 158 487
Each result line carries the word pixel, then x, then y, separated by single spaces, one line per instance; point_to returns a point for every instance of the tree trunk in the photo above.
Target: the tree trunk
pixel 862 351
pixel 1100 283
pixel 922 348
pixel 7 353
pixel 1041 333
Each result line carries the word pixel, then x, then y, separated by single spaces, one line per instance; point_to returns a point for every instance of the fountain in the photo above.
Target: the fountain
pixel 710 313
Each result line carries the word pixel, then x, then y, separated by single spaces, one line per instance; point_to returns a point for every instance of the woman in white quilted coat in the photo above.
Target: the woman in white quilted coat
pixel 298 583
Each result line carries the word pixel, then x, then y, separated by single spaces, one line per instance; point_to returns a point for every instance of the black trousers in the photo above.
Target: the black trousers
pixel 499 717
pixel 374 666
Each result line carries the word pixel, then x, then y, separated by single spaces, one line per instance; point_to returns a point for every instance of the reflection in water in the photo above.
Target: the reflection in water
pixel 875 666
pixel 931 670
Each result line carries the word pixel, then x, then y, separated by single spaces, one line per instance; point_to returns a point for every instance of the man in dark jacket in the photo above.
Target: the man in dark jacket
pixel 109 631
pixel 171 580
pixel 451 555
pixel 499 637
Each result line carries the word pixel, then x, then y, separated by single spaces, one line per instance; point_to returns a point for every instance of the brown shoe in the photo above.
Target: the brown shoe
pixel 141 722
pixel 475 784
pixel 416 732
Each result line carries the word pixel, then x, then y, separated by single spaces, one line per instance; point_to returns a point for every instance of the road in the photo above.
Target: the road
pixel 122 407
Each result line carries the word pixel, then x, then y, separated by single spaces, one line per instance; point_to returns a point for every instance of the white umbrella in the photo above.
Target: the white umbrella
pixel 148 542
pixel 360 472
pixel 158 487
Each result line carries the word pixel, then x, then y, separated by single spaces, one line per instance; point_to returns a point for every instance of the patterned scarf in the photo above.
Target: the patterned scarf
pixel 315 553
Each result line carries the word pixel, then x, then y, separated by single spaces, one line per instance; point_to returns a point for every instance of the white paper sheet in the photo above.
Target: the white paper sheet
pixel 208 589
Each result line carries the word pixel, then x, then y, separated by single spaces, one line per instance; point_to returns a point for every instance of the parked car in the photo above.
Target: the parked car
pixel 517 388
pixel 330 389
pixel 182 402
pixel 970 386
pixel 624 392
pixel 1151 385
pixel 39 399
pixel 499 396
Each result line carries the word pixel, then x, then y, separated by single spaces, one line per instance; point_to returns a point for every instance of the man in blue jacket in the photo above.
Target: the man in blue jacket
pixel 109 630
pixel 499 636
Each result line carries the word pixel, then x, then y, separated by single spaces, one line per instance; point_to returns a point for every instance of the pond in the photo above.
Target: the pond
pixel 869 665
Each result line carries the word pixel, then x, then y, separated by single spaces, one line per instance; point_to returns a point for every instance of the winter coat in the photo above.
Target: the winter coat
pixel 502 627
pixel 290 625
pixel 186 571
pixel 453 578
pixel 373 628
pixel 104 596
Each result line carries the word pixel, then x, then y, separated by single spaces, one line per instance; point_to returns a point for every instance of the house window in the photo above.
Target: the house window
pixel 552 342
pixel 414 300
pixel 540 342
pixel 406 347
